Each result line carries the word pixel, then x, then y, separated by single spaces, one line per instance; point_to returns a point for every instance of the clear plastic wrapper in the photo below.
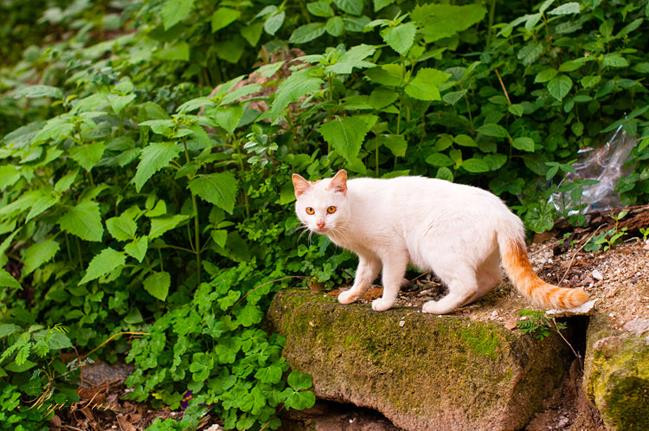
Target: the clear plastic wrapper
pixel 591 187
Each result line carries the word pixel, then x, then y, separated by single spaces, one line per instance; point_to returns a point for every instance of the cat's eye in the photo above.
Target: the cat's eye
pixel 331 209
pixel 310 211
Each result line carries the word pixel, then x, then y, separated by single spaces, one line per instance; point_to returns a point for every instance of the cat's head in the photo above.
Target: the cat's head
pixel 322 205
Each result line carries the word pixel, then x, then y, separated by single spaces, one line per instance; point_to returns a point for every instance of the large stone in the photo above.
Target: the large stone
pixel 616 372
pixel 421 371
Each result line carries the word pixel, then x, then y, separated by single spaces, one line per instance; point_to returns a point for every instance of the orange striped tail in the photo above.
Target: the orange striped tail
pixel 519 270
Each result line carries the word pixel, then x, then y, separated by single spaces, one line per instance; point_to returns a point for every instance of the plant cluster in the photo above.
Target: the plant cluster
pixel 146 160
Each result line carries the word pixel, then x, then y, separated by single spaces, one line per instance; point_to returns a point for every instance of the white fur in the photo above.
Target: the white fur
pixel 451 229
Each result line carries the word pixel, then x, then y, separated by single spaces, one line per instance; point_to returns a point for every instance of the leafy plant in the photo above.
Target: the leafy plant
pixel 537 324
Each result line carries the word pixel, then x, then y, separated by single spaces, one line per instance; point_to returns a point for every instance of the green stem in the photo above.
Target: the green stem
pixel 162 268
pixel 79 251
pixel 197 230
pixel 492 12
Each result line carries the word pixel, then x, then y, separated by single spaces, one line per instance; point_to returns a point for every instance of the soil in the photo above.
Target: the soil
pixel 618 279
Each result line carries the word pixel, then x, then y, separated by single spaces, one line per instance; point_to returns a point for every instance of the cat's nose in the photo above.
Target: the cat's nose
pixel 320 224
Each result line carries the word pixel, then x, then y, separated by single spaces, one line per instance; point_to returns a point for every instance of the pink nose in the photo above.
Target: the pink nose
pixel 320 224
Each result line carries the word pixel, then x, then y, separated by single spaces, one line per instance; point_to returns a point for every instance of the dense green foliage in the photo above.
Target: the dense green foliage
pixel 147 151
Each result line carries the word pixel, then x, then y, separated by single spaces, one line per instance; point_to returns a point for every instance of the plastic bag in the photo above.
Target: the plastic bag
pixel 595 176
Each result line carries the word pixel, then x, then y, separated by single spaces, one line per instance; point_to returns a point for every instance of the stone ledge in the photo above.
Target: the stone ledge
pixel 423 372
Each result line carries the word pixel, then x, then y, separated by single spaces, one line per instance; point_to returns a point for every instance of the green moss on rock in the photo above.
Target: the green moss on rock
pixel 422 371
pixel 616 376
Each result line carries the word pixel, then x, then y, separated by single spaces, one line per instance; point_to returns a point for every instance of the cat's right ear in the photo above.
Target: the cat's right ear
pixel 300 185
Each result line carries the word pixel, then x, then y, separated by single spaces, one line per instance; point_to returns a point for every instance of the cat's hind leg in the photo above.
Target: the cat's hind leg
pixel 488 276
pixel 367 271
pixel 462 287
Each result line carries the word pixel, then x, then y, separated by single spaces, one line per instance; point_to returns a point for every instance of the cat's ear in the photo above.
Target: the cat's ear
pixel 300 185
pixel 339 181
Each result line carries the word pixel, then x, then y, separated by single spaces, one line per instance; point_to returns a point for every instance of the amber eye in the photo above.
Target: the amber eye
pixel 331 209
pixel 310 211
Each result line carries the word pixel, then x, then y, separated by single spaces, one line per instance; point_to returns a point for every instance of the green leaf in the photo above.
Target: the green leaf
pixel 299 380
pixel 121 228
pixel 335 26
pixel 389 75
pixel 380 4
pixel 271 374
pixel 228 118
pixel 307 32
pixel 566 9
pixel 174 11
pixel 352 7
pixel 104 263
pixel 320 8
pixel 495 161
pixel 299 400
pixel 444 173
pixel 83 220
pixel 572 65
pixel 546 74
pixel 87 156
pixel 45 201
pixel 465 141
pixel 118 103
pixel 346 135
pixel 614 60
pixel 66 181
pixel 524 144
pixel 438 21
pixel 223 17
pixel 401 37
pixel 439 159
pixel 590 80
pixel 6 329
pixel 252 33
pixel 475 165
pixel 560 86
pixel 36 91
pixel 9 175
pixel 160 225
pixel 220 236
pixel 7 280
pixel 395 143
pixel 230 50
pixel 157 284
pixel 494 130
pixel 530 52
pixel 154 157
pixel 249 315
pixel 425 86
pixel 174 52
pixel 353 58
pixel 295 86
pixel 274 22
pixel 137 248
pixel 219 189
pixel 516 109
pixel 58 341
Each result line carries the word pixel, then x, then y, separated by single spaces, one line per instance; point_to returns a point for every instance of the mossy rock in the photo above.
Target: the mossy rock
pixel 616 375
pixel 423 372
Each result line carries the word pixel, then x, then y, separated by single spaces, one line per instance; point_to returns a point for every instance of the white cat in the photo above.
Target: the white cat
pixel 459 232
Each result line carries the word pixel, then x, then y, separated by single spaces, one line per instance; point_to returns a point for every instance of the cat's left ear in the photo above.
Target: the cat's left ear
pixel 300 185
pixel 339 181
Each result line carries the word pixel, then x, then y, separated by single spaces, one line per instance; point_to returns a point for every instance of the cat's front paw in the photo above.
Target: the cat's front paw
pixel 347 297
pixel 382 304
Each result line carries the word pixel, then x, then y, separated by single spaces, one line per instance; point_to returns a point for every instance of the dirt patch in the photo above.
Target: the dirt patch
pixel 102 408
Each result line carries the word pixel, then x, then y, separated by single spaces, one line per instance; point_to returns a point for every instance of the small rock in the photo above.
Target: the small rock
pixel 401 323
pixel 215 427
pixel 637 326
pixel 597 275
